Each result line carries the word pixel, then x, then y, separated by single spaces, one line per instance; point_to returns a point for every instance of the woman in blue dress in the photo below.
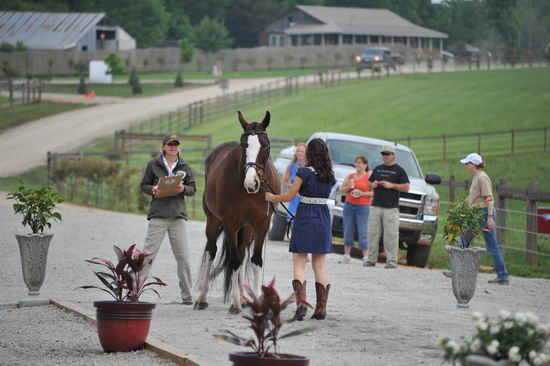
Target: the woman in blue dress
pixel 298 161
pixel 311 232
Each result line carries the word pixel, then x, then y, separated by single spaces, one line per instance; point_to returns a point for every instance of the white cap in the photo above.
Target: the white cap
pixel 472 158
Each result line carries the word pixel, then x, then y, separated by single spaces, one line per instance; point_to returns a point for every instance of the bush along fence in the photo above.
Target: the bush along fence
pixel 503 194
pixel 504 142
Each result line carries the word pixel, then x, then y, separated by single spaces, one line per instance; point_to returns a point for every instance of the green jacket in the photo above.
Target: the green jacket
pixel 167 207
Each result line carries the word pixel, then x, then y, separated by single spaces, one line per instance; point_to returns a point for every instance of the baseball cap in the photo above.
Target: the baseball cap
pixel 387 149
pixel 472 158
pixel 172 137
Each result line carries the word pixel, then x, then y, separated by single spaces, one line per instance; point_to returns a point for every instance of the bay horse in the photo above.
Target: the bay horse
pixel 236 174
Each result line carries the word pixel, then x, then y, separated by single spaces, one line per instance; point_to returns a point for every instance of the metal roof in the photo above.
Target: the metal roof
pixel 39 30
pixel 380 22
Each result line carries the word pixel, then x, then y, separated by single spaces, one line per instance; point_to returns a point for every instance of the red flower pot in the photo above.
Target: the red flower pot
pixel 123 326
pixel 252 359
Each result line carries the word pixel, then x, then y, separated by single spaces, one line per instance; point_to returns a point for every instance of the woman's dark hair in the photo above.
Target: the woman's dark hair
pixel 318 157
pixel 480 165
pixel 364 160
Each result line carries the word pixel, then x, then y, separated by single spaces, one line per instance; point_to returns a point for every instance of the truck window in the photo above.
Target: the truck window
pixel 344 152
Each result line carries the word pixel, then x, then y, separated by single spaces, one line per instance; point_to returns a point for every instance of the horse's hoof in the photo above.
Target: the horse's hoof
pixel 235 310
pixel 200 305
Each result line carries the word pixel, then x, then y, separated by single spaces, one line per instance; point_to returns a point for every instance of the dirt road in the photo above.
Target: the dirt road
pixel 26 146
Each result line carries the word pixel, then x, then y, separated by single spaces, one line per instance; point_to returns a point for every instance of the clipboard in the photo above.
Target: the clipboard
pixel 167 185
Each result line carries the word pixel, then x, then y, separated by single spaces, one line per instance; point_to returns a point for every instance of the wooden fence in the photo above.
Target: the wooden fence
pixel 502 192
pixel 504 142
pixel 20 92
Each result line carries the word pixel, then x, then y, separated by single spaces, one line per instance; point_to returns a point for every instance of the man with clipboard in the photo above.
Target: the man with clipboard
pixel 168 179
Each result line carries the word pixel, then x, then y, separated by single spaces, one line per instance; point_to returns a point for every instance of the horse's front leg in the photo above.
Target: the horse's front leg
pixel 235 295
pixel 257 261
pixel 204 281
pixel 213 230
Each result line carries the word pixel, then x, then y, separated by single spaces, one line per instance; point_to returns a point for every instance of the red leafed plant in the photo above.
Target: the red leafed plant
pixel 125 281
pixel 265 321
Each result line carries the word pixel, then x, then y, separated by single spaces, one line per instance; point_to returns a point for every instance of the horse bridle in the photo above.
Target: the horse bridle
pixel 259 168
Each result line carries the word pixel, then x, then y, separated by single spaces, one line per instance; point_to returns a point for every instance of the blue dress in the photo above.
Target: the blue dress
pixel 293 205
pixel 311 231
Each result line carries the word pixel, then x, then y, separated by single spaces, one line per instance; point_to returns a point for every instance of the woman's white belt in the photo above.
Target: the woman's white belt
pixel 313 200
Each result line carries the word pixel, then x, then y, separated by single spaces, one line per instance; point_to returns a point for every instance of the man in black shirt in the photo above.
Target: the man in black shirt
pixel 387 180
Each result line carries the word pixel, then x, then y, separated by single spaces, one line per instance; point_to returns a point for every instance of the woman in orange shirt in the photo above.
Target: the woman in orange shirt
pixel 356 208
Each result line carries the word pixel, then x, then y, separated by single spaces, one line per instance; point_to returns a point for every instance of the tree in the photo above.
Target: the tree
pixel 81 68
pixel 245 17
pixel 178 83
pixel 211 35
pixel 115 64
pixel 187 49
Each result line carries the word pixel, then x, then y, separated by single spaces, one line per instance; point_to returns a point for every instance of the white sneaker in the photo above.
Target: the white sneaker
pixel 345 259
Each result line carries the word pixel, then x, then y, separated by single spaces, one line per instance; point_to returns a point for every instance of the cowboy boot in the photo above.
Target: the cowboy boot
pixel 322 297
pixel 300 294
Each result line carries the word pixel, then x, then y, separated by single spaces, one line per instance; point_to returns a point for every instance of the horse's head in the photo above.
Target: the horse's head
pixel 255 144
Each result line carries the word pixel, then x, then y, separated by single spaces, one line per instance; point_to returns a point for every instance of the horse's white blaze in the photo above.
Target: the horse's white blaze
pixel 251 179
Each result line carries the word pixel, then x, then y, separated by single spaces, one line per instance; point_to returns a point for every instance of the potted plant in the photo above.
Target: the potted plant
pixel 510 339
pixel 37 207
pixel 461 226
pixel 265 321
pixel 123 324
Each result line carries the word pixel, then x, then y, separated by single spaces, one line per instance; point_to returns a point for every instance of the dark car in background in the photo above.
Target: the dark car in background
pixel 376 58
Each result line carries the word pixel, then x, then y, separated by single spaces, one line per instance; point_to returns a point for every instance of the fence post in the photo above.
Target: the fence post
pixel 50 167
pixel 501 215
pixel 513 141
pixel 409 140
pixel 201 112
pixel 545 139
pixel 190 112
pixel 479 143
pixel 452 188
pixel 444 147
pixel 531 235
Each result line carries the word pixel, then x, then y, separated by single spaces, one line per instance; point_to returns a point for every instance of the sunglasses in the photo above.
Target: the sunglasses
pixel 386 153
pixel 173 144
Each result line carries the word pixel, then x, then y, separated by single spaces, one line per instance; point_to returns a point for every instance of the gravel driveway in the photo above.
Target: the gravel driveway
pixel 375 316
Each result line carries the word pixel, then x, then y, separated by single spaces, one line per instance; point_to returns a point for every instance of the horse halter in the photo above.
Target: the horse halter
pixel 260 168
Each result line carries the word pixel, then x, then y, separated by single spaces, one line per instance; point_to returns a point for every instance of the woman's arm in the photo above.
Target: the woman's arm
pixel 346 185
pixel 287 196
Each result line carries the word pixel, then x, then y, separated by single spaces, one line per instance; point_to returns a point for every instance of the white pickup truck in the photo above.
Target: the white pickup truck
pixel 418 208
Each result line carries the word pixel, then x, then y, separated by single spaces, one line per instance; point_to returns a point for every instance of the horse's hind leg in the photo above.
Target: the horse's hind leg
pixel 213 230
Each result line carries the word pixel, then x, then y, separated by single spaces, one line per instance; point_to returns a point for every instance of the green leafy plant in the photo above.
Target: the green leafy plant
pixel 36 205
pixel 125 281
pixel 265 321
pixel 518 337
pixel 462 220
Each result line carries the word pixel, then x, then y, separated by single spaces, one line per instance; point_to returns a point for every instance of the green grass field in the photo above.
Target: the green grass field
pixel 21 113
pixel 416 105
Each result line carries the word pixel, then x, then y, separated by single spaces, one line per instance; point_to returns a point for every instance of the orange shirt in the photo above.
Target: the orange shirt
pixel 362 185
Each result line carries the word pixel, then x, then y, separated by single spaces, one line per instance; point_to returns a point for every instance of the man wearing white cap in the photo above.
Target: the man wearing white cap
pixel 481 196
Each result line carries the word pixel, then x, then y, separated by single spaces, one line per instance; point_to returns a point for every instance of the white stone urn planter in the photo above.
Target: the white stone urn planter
pixel 34 254
pixel 464 267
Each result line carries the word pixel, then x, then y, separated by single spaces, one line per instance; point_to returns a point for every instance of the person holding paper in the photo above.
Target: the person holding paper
pixel 168 213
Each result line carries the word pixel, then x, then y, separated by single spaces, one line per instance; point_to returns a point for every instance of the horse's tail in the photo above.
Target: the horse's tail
pixel 229 261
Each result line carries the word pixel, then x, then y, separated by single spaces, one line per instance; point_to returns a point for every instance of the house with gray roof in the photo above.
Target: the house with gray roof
pixel 324 25
pixel 63 31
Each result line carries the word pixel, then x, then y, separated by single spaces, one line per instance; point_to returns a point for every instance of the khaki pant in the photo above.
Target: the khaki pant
pixel 177 233
pixel 384 220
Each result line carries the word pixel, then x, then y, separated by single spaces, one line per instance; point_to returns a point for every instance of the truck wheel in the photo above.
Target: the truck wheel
pixel 418 255
pixel 278 228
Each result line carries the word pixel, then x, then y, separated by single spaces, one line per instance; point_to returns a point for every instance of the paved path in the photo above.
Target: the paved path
pixel 26 146
pixel 375 316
